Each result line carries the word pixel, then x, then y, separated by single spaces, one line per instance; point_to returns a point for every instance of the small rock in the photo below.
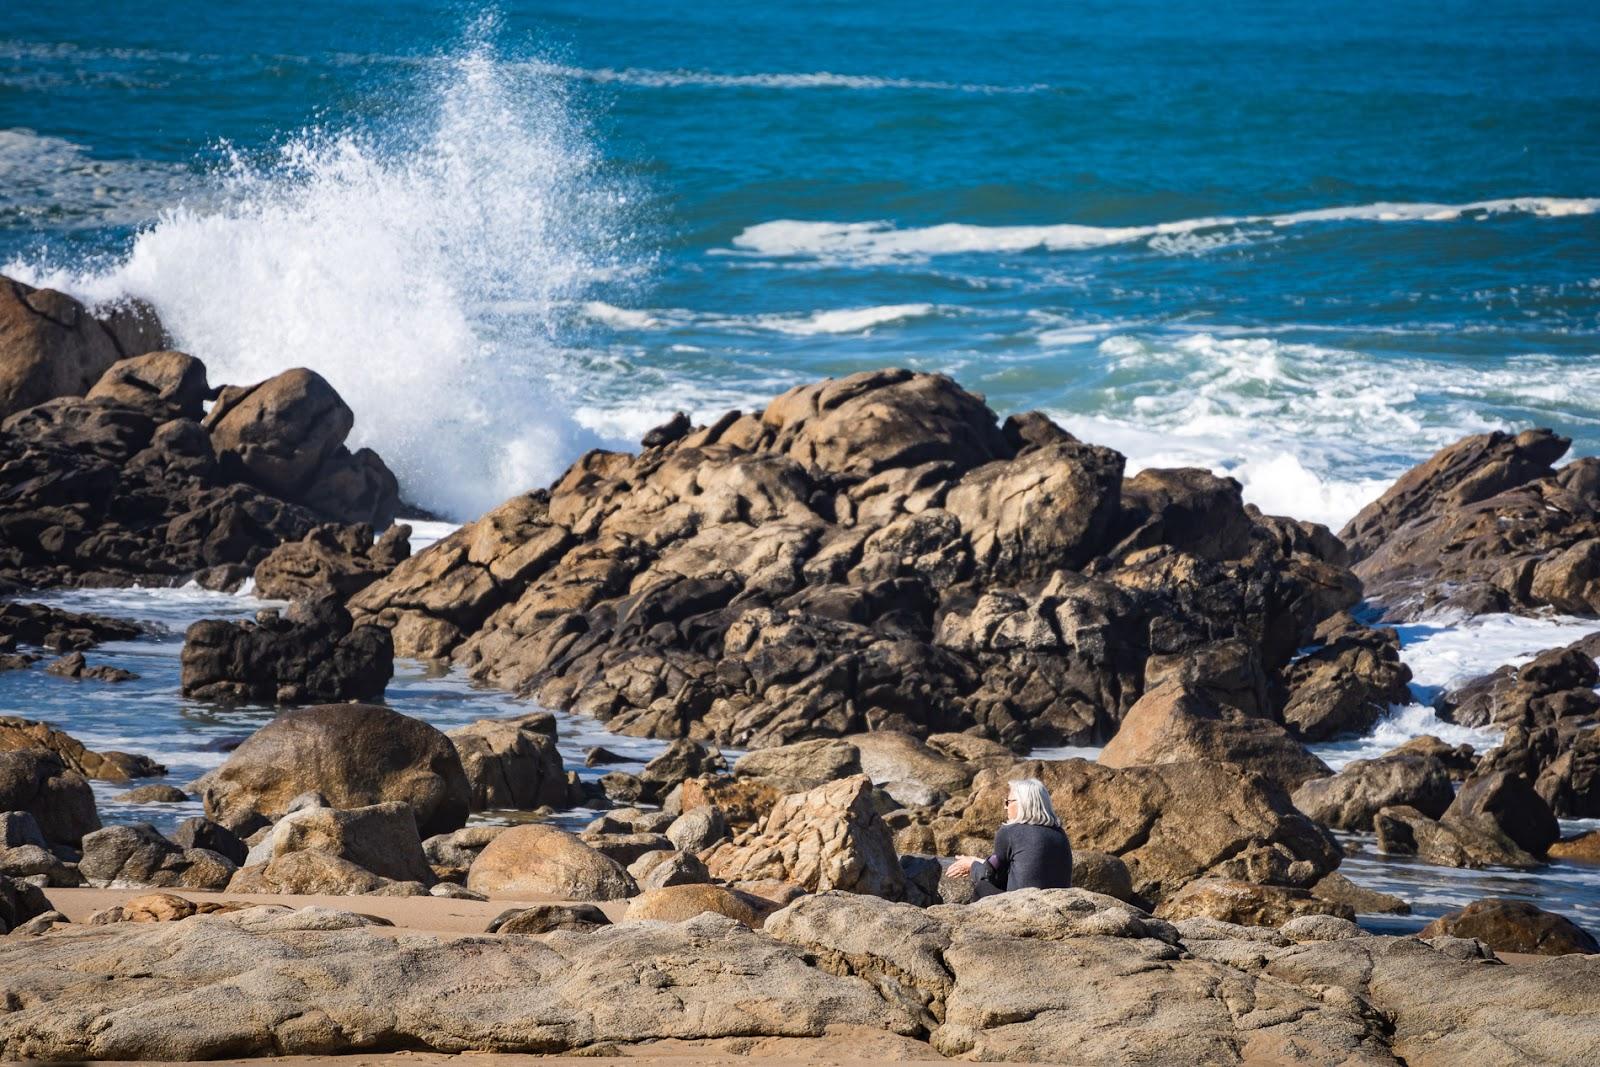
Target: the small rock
pixel 153 794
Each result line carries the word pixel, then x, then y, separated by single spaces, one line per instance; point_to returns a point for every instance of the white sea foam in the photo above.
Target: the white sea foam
pixel 844 320
pixel 420 269
pixel 1310 430
pixel 59 183
pixel 883 240
pixel 673 79
pixel 1444 652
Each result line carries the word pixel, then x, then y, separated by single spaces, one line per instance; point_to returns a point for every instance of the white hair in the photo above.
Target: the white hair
pixel 1033 803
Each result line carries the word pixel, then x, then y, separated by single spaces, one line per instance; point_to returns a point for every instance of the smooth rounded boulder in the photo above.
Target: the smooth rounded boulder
pixel 355 755
pixel 278 432
pixel 543 861
pixel 675 903
pixel 35 781
pixel 50 346
pixel 1514 926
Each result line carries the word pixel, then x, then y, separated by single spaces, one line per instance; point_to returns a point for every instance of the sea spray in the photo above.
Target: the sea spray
pixel 421 263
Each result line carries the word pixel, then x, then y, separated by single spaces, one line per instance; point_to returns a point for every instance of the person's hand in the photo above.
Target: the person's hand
pixel 962 866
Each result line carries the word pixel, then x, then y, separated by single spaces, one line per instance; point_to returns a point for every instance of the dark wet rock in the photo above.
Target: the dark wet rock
pixel 1554 685
pixel 1173 724
pixel 19 902
pixel 1561 759
pixel 870 554
pixel 74 665
pixel 600 756
pixel 1514 926
pixel 682 759
pixel 1510 803
pixel 354 754
pixel 126 485
pixel 331 561
pixel 1348 800
pixel 311 654
pixel 1486 524
pixel 1347 684
pixel 548 918
pixel 58 630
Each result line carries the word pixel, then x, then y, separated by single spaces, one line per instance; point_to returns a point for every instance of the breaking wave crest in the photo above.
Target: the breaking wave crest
pixel 420 266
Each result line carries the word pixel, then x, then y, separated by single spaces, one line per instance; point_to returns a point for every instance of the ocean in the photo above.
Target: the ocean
pixel 1303 248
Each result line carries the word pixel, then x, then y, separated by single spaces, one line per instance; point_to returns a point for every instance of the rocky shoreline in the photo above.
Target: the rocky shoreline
pixel 884 593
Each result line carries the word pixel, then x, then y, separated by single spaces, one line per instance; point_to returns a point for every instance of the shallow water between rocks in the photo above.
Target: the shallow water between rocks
pixel 148 716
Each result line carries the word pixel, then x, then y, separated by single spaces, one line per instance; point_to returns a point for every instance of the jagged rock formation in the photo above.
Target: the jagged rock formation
pixel 113 472
pixel 1486 524
pixel 18 733
pixel 869 553
pixel 331 561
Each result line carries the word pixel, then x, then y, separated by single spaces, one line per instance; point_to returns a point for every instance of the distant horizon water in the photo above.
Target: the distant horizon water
pixel 1304 252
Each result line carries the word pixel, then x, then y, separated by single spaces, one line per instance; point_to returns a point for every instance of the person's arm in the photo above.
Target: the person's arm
pixel 994 868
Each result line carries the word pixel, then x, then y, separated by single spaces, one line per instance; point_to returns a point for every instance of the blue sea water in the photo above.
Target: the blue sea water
pixel 1302 246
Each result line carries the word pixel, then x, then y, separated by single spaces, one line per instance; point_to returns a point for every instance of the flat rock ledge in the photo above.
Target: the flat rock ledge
pixel 1037 975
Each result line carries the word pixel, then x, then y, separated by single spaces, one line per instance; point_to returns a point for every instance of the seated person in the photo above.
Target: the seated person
pixel 1030 849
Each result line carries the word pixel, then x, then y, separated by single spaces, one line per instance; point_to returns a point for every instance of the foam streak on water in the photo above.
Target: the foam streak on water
pixel 880 240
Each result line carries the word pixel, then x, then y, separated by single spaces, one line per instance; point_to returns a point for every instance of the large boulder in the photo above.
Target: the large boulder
pixel 680 902
pixel 1510 804
pixel 331 561
pixel 1405 831
pixel 1170 823
pixel 308 873
pixel 163 385
pixel 36 781
pixel 138 855
pixel 544 861
pixel 892 756
pixel 278 432
pixel 512 763
pixel 1485 524
pixel 818 761
pixel 1348 800
pixel 1174 724
pixel 50 346
pixel 1514 926
pixel 312 654
pixel 830 837
pixel 354 755
pixel 1557 684
pixel 381 838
